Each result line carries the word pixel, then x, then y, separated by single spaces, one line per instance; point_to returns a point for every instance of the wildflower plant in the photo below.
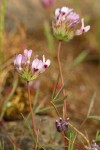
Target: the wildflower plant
pixel 29 71
pixel 65 26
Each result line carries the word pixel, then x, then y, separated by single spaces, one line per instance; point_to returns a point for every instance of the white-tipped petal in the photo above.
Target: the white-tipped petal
pixel 82 21
pixel 87 28
pixel 66 10
pixel 43 58
pixel 57 13
pixel 35 63
pixel 48 62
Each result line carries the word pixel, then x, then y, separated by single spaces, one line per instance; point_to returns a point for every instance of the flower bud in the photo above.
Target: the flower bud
pixel 62 125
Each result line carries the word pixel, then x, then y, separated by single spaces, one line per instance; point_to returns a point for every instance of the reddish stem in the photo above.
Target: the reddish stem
pixel 62 79
pixel 31 110
pixel 64 93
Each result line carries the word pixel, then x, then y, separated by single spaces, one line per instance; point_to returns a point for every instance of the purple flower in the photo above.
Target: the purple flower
pixel 66 22
pixel 47 3
pixel 62 125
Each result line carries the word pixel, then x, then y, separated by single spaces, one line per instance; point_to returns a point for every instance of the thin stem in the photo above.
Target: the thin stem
pixel 62 79
pixel 82 135
pixel 31 110
pixel 55 109
pixel 64 93
pixel 36 145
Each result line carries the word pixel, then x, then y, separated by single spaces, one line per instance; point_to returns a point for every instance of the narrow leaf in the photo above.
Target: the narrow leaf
pixel 48 108
pixel 94 117
pixel 91 104
pixel 54 91
pixel 59 92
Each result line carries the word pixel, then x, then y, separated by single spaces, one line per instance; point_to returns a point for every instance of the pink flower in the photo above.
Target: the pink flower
pixel 30 70
pixel 37 65
pixel 46 63
pixel 18 62
pixel 66 24
pixel 72 19
pixel 60 14
pixel 47 3
pixel 27 54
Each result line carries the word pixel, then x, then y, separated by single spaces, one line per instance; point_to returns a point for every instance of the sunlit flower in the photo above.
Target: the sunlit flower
pixel 62 125
pixel 66 22
pixel 30 70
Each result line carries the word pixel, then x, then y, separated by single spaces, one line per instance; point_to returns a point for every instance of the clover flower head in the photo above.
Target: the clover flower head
pixel 62 125
pixel 30 70
pixel 65 24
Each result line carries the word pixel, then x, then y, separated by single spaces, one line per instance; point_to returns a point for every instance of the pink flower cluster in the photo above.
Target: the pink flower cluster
pixel 66 22
pixel 27 69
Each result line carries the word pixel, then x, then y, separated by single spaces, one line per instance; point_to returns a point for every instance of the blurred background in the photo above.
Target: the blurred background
pixel 28 24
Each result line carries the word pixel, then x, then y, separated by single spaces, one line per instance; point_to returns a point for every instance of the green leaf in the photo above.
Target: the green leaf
pixel 15 83
pixel 97 138
pixel 59 92
pixel 54 91
pixel 94 117
pixel 49 37
pixel 91 104
pixel 36 100
pixel 59 99
pixel 48 108
pixel 80 58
